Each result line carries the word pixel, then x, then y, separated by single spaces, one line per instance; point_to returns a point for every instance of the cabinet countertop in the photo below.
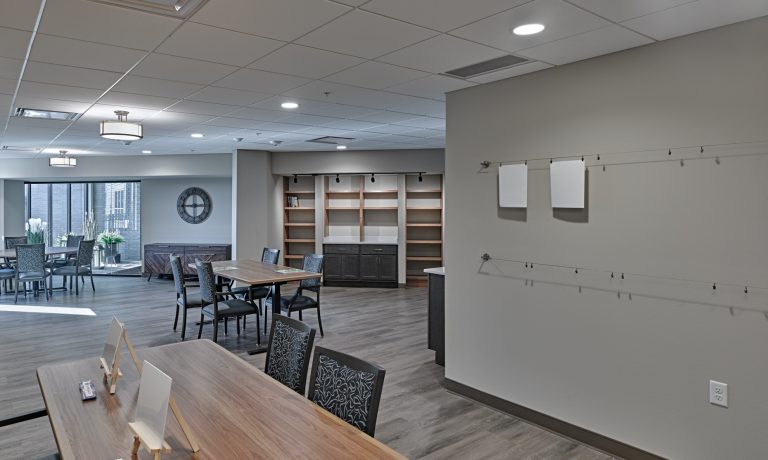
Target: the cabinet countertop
pixel 435 271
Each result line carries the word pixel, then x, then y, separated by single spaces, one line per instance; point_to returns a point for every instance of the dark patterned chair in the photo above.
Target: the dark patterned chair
pixel 6 274
pixel 290 345
pixel 73 241
pixel 30 267
pixel 82 266
pixel 253 293
pixel 300 302
pixel 184 299
pixel 10 243
pixel 348 387
pixel 217 306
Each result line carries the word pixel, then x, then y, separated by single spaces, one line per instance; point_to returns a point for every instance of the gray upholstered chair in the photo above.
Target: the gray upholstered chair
pixel 348 387
pixel 300 302
pixel 6 274
pixel 184 300
pixel 290 345
pixel 30 267
pixel 81 266
pixel 253 293
pixel 10 243
pixel 217 306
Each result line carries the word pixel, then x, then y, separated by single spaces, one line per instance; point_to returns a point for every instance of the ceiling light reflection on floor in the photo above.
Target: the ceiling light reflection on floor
pixel 48 310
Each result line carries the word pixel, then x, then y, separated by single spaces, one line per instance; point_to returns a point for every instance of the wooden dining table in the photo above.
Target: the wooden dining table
pixel 234 410
pixel 258 273
pixel 49 252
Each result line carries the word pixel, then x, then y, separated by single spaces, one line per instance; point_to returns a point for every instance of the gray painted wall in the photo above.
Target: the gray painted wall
pixel 634 370
pixel 253 204
pixel 11 208
pixel 160 223
pixel 377 161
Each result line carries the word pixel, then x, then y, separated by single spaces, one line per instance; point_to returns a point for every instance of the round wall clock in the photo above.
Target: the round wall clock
pixel 194 205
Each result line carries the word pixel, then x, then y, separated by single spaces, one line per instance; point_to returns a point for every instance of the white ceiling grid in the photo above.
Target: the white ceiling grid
pixel 371 70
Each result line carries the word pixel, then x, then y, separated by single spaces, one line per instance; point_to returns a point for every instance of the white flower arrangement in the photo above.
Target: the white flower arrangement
pixel 36 230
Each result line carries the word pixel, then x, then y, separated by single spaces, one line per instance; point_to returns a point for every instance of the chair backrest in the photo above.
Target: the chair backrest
pixel 348 387
pixel 85 252
pixel 207 281
pixel 290 344
pixel 30 258
pixel 74 240
pixel 178 274
pixel 13 241
pixel 270 256
pixel 313 263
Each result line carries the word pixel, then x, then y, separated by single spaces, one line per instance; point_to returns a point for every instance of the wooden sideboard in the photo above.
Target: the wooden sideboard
pixel 360 265
pixel 157 256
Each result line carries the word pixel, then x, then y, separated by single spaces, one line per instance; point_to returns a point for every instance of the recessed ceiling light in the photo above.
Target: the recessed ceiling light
pixel 528 29
pixel 341 147
pixel 146 152
pixel 289 105
pixel 197 135
pixel 45 114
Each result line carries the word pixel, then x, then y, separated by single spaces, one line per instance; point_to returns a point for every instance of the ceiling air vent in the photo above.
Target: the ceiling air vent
pixel 10 148
pixel 491 65
pixel 173 8
pixel 332 140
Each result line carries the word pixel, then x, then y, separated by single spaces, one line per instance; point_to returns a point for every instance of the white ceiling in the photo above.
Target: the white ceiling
pixel 364 69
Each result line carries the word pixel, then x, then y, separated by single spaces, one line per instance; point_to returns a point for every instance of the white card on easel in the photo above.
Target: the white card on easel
pixel 152 406
pixel 513 186
pixel 112 345
pixel 567 179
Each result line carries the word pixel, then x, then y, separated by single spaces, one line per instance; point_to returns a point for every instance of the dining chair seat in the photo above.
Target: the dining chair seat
pixel 231 307
pixel 299 302
pixel 193 301
pixel 71 270
pixel 33 275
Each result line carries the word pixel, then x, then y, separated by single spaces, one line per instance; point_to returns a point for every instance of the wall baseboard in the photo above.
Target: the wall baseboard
pixel 598 441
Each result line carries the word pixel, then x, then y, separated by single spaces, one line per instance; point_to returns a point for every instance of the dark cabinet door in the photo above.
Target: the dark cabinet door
pixel 157 258
pixel 387 268
pixel 332 269
pixel 350 266
pixel 369 267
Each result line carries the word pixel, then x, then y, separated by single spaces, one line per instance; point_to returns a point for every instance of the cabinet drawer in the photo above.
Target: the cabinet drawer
pixel 378 249
pixel 341 249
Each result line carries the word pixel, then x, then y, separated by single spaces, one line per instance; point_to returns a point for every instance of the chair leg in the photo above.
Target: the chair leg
pixel 183 323
pixel 257 323
pixel 64 282
pixel 16 292
pixel 319 321
pixel 93 286
pixel 225 326
pixel 77 286
pixel 238 324
pixel 200 332
pixel 176 319
pixel 300 315
pixel 45 288
pixel 216 328
pixel 261 308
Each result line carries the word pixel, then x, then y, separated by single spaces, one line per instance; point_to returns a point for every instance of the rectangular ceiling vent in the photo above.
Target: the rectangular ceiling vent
pixel 332 140
pixel 41 114
pixel 484 67
pixel 10 148
pixel 181 9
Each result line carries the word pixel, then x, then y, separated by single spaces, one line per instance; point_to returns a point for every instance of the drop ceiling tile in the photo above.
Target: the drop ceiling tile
pixel 208 43
pixel 124 100
pixel 10 68
pixel 64 93
pixel 560 19
pixel 227 96
pixel 13 43
pixel 19 14
pixel 510 72
pixel 352 2
pixel 386 116
pixel 424 133
pixel 7 86
pixel 351 125
pixel 319 131
pixel 425 122
pixel 70 76
pixel 309 120
pixel 304 61
pixel 77 53
pixel 258 114
pixel 156 87
pixel 350 95
pixel 364 34
pixel 696 16
pixel 260 81
pixel 441 54
pixel 181 69
pixel 106 24
pixel 203 108
pixel 389 129
pixel 424 107
pixel 440 14
pixel 232 122
pixel 433 86
pixel 622 10
pixel 278 19
pixel 101 112
pixel 590 44
pixel 281 127
pixel 376 75
pixel 312 107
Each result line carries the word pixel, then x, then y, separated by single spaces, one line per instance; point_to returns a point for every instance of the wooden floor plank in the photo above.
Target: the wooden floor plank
pixel 417 416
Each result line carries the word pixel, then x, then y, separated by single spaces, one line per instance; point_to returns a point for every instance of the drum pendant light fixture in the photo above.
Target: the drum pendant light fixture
pixel 62 161
pixel 122 129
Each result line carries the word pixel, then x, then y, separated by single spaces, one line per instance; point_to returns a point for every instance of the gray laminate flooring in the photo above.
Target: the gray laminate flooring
pixel 417 416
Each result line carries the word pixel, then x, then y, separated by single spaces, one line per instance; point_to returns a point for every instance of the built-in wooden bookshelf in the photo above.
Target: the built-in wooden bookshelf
pixel 423 226
pixel 298 219
pixel 359 210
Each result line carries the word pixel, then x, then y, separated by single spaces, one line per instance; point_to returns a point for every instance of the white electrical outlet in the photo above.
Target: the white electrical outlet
pixel 718 393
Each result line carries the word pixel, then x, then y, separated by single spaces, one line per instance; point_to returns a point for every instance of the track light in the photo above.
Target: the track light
pixel 373 179
pixel 178 5
pixel 295 178
pixel 337 179
pixel 421 179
